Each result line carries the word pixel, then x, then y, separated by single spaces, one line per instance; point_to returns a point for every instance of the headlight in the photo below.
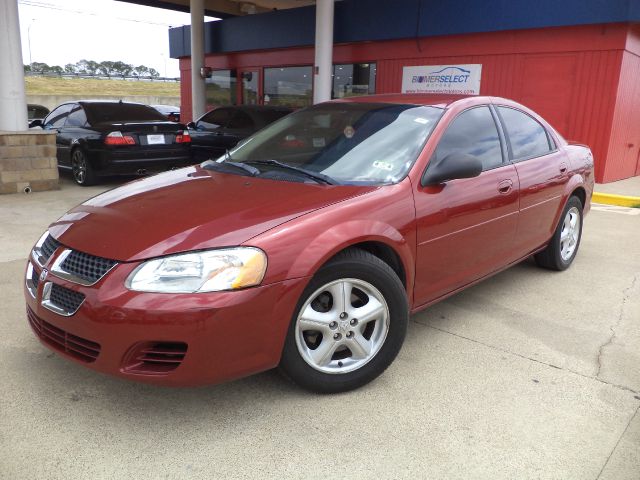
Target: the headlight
pixel 206 271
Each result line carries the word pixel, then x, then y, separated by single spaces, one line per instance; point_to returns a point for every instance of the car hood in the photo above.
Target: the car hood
pixel 188 209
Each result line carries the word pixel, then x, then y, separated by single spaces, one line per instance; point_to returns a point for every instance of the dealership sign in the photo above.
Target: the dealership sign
pixel 455 79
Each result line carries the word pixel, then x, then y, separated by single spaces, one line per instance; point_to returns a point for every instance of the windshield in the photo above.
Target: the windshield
pixel 349 143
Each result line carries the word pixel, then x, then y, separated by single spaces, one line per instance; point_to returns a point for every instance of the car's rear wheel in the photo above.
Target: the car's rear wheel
pixel 81 168
pixel 563 247
pixel 349 325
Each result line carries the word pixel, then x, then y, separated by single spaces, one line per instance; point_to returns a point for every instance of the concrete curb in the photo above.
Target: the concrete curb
pixel 619 200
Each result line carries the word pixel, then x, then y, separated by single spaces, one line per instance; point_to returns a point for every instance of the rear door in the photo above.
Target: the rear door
pixel 543 171
pixel 207 138
pixel 240 126
pixel 466 227
pixel 55 122
pixel 70 133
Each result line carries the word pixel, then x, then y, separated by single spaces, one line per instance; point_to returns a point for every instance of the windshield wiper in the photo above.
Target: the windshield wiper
pixel 318 177
pixel 213 165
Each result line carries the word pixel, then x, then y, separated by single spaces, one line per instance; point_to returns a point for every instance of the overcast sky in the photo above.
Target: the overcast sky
pixel 66 31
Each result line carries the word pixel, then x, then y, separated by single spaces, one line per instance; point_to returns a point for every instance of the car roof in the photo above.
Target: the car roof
pixel 430 99
pixel 98 101
pixel 256 108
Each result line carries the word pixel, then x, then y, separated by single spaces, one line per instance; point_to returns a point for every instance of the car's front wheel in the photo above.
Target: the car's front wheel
pixel 349 324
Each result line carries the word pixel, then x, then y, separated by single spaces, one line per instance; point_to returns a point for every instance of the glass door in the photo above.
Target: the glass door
pixel 250 89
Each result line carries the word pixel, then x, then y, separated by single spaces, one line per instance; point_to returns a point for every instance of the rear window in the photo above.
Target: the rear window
pixel 121 112
pixel 37 111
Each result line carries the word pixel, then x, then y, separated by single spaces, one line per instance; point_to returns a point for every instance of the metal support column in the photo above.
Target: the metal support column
pixel 198 91
pixel 323 68
pixel 13 101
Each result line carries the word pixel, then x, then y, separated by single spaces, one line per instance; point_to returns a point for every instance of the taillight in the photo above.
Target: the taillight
pixel 117 138
pixel 183 137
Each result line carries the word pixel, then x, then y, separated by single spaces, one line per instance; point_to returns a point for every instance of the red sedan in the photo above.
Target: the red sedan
pixel 308 245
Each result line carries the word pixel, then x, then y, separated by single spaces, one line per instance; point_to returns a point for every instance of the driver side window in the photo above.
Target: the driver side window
pixel 474 133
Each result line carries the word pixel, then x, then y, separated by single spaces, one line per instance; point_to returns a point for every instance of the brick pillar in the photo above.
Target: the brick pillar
pixel 28 160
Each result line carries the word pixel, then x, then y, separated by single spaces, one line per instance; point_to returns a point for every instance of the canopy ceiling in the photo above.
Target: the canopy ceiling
pixel 226 8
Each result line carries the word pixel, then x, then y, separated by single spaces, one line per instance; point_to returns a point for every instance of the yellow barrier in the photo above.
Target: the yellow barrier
pixel 619 200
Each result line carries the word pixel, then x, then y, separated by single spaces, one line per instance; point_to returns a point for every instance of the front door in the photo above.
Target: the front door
pixel 466 227
pixel 250 88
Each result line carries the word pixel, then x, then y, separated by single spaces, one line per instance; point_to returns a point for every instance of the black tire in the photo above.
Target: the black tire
pixel 363 267
pixel 81 169
pixel 554 257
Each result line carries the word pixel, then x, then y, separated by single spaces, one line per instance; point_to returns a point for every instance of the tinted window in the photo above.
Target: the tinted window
pixel 121 112
pixel 288 86
pixel 36 111
pixel 215 119
pixel 265 117
pixel 473 132
pixel 241 121
pixel 528 138
pixel 58 116
pixel 77 117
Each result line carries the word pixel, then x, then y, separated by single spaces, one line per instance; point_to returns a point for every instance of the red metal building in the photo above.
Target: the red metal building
pixel 584 78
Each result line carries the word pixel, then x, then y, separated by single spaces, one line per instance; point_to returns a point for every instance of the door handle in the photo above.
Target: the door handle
pixel 505 186
pixel 563 167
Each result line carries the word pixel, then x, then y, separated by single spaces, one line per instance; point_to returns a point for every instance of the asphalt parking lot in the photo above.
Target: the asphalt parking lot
pixel 530 374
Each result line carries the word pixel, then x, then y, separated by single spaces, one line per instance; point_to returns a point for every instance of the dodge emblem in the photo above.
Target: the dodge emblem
pixel 43 274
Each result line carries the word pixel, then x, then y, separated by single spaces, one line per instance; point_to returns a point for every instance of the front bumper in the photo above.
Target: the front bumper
pixel 225 335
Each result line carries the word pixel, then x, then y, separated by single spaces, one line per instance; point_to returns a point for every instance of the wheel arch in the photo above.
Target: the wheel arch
pixel 575 187
pixel 378 238
pixel 384 252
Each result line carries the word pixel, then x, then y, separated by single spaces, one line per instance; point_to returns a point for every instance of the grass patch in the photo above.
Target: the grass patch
pixel 87 87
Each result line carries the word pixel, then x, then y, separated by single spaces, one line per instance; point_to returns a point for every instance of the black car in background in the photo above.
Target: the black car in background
pixel 98 138
pixel 171 112
pixel 222 128
pixel 36 112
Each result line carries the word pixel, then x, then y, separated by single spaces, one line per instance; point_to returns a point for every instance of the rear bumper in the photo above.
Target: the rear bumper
pixel 227 335
pixel 128 160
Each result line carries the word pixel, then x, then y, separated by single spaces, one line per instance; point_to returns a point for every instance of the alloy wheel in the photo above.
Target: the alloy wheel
pixel 570 234
pixel 79 166
pixel 342 326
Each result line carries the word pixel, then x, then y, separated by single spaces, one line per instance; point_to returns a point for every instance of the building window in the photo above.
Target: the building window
pixel 288 86
pixel 221 88
pixel 354 79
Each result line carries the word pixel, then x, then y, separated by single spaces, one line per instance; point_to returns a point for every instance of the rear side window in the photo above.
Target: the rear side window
pixel 241 121
pixel 527 137
pixel 473 132
pixel 121 112
pixel 77 117
pixel 270 116
pixel 218 118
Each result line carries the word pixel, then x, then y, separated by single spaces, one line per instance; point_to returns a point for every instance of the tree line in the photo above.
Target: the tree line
pixel 90 67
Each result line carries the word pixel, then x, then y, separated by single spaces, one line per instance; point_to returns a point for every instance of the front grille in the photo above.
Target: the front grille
pixel 157 358
pixel 49 246
pixel 66 299
pixel 35 278
pixel 74 346
pixel 86 267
